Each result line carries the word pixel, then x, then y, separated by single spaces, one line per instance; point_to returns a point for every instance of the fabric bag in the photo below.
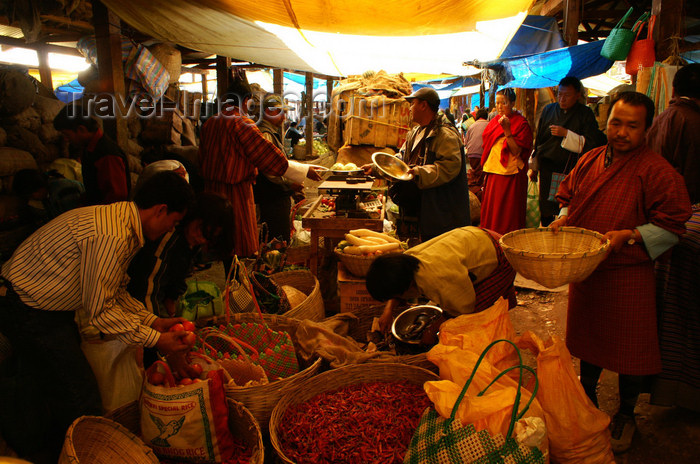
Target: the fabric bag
pixel 642 54
pixel 445 441
pixel 577 430
pixel 238 297
pixel 532 212
pixel 269 294
pixel 617 44
pixel 557 178
pixel 186 421
pixel 201 299
pixel 141 66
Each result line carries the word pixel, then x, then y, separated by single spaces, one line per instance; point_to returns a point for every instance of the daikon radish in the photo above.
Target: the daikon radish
pixel 355 240
pixel 383 247
pixel 370 233
pixel 377 240
pixel 352 250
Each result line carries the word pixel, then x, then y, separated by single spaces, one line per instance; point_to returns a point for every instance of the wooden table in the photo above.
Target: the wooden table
pixel 333 227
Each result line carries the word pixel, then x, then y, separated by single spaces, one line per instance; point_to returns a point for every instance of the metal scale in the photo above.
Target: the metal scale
pixel 348 189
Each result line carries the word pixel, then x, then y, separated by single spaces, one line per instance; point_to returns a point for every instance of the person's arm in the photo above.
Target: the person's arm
pixel 448 162
pixel 655 239
pixel 111 179
pixel 387 317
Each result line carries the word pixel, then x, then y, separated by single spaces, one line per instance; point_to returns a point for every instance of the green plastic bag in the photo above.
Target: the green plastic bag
pixel 201 299
pixel 532 212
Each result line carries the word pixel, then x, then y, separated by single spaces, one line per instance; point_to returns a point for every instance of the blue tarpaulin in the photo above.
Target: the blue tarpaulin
pixel 547 69
pixel 536 34
pixel 69 92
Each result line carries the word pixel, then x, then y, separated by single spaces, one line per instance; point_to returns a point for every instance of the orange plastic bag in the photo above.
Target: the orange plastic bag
pixel 474 332
pixel 490 411
pixel 577 430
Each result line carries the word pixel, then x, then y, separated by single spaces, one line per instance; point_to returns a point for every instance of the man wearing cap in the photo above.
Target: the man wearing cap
pixel 272 193
pixel 438 194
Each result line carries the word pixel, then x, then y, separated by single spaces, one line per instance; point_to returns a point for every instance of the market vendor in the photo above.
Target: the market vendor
pixel 463 271
pixel 74 268
pixel 438 194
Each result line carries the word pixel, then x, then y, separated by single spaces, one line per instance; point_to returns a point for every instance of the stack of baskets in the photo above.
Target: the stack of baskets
pixel 553 258
pixel 312 307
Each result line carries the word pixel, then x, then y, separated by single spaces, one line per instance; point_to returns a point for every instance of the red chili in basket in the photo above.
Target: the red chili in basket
pixel 363 423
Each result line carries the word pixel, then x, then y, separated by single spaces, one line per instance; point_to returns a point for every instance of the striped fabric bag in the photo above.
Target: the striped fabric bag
pixel 141 66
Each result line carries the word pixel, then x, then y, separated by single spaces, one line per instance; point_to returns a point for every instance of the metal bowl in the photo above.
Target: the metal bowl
pixel 391 166
pixel 413 321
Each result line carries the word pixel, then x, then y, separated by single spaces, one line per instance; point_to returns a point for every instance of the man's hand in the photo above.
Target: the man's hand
pixel 170 306
pixel 368 169
pixel 180 365
pixel 163 324
pixel 170 343
pixel 618 238
pixel 558 131
pixel 558 223
pixel 313 174
pixel 387 316
pixel 505 124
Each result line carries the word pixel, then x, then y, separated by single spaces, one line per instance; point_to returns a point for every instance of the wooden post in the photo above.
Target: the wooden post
pixel 278 81
pixel 669 23
pixel 223 75
pixel 309 127
pixel 205 90
pixel 572 18
pixel 329 94
pixel 44 68
pixel 111 70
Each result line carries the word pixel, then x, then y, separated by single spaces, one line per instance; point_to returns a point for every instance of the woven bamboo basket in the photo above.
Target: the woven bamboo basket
pixel 358 332
pixel 338 378
pixel 357 265
pixel 555 259
pixel 312 307
pixel 241 423
pixel 98 440
pixel 261 399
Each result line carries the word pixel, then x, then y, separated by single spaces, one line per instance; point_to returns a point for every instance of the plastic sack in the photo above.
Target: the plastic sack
pixel 116 369
pixel 186 421
pixel 532 212
pixel 474 332
pixel 201 299
pixel 577 430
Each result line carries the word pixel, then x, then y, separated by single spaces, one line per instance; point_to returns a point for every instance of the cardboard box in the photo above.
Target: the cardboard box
pixel 378 121
pixel 353 293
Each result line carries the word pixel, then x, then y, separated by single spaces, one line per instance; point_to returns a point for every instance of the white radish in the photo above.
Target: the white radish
pixel 383 247
pixel 352 250
pixel 355 240
pixel 370 233
pixel 377 240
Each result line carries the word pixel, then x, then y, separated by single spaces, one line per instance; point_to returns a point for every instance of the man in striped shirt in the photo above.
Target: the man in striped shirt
pixel 72 273
pixel 232 151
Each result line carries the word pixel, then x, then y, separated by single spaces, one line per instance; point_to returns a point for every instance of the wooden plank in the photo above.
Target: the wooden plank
pixel 44 69
pixel 669 24
pixel 20 43
pixel 309 127
pixel 111 69
pixel 68 22
pixel 552 7
pixel 223 75
pixel 572 18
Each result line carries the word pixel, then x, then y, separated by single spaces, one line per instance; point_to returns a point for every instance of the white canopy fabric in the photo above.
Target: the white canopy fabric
pixel 335 37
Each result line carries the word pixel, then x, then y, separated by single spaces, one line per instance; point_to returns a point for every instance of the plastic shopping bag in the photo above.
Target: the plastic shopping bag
pixel 577 430
pixel 532 212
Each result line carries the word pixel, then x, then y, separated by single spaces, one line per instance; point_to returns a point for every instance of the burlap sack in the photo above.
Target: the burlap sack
pixel 13 159
pixel 17 92
pixel 49 135
pixel 3 137
pixel 27 119
pixel 47 108
pixel 29 141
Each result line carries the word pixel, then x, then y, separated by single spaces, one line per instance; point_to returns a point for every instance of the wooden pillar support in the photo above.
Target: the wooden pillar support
pixel 278 81
pixel 44 68
pixel 669 23
pixel 329 94
pixel 223 75
pixel 205 90
pixel 111 70
pixel 309 127
pixel 572 18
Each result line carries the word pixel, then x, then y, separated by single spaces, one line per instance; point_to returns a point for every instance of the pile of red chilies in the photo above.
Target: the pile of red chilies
pixel 363 423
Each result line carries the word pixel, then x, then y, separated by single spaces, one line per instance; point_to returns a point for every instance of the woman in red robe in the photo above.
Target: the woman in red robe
pixel 507 146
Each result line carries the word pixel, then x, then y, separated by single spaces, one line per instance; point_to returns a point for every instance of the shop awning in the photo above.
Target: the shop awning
pixel 335 37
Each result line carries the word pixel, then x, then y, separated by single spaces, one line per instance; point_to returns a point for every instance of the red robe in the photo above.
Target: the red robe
pixel 505 197
pixel 611 320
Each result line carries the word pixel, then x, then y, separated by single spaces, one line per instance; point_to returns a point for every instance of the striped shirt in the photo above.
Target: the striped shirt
pixel 78 262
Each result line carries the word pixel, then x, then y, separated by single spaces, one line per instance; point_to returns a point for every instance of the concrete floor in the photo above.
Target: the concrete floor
pixel 664 435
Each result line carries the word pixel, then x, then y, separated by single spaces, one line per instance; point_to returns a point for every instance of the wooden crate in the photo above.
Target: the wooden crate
pixel 378 121
pixel 353 293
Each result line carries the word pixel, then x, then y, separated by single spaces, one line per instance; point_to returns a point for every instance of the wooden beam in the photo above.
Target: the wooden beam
pixel 20 43
pixel 278 81
pixel 329 92
pixel 552 7
pixel 205 90
pixel 223 75
pixel 572 18
pixel 111 70
pixel 309 127
pixel 44 69
pixel 689 46
pixel 669 24
pixel 68 22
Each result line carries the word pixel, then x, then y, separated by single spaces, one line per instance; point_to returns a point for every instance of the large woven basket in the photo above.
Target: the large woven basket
pixel 98 440
pixel 241 423
pixel 554 259
pixel 358 332
pixel 261 399
pixel 312 307
pixel 338 378
pixel 357 265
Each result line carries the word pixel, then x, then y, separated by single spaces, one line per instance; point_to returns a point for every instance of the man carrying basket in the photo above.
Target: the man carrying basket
pixel 635 197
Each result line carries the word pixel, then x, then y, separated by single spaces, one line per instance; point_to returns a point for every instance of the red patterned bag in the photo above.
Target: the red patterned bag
pixel 642 54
